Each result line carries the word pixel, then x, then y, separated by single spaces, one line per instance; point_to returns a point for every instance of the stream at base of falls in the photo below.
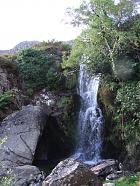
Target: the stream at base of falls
pixel 90 121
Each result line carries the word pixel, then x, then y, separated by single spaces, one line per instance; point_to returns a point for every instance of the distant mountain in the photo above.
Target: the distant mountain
pixel 70 42
pixel 27 44
pixel 19 47
pixel 2 52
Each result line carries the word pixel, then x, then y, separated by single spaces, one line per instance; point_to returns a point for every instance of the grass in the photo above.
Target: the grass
pixel 126 181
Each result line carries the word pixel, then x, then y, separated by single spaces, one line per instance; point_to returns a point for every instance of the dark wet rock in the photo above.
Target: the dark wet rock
pixel 113 176
pixel 58 139
pixel 105 168
pixel 119 174
pixel 25 175
pixel 71 173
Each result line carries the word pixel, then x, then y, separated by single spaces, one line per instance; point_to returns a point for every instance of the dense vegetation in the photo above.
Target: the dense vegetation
pixel 30 71
pixel 110 45
pixel 131 181
pixel 41 67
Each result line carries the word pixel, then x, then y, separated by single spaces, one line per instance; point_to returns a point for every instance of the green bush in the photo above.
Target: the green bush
pixel 127 181
pixel 38 69
pixel 127 109
pixel 64 102
pixel 125 68
pixel 5 99
pixel 71 81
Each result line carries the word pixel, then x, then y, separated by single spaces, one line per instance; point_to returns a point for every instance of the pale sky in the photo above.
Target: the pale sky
pixel 41 20
pixel 23 20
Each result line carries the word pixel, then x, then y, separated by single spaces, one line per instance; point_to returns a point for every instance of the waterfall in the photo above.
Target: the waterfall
pixel 90 120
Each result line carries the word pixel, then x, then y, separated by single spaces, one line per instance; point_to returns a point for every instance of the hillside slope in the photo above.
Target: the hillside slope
pixel 18 47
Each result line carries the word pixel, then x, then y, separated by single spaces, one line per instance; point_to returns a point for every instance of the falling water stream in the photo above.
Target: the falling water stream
pixel 90 120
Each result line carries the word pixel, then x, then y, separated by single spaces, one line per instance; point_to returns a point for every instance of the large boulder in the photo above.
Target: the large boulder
pixel 71 173
pixel 26 175
pixel 22 131
pixel 22 175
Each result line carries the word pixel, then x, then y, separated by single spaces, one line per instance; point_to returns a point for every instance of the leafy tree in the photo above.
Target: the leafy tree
pixel 5 99
pixel 102 38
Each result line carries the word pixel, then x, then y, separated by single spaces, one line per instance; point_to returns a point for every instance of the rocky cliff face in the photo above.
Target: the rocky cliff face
pixel 61 109
pixel 11 96
pixel 42 131
pixel 9 77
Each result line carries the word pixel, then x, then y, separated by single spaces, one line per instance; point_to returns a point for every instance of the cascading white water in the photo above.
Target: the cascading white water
pixel 90 120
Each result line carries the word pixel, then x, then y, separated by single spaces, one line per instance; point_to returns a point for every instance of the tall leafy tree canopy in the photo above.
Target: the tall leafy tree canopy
pixel 104 36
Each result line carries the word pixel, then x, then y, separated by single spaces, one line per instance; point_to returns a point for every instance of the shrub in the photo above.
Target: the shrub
pixel 39 69
pixel 131 181
pixel 5 99
pixel 64 102
pixel 127 109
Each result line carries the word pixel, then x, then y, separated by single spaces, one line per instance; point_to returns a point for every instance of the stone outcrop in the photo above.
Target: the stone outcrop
pixel 108 184
pixel 22 175
pixel 11 95
pixel 105 168
pixel 60 130
pixel 26 175
pixel 9 77
pixel 4 82
pixel 22 130
pixel 71 173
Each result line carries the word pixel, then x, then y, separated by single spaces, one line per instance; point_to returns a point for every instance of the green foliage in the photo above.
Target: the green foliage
pixel 64 102
pixel 39 69
pixel 10 101
pixel 128 95
pixel 125 68
pixel 122 99
pixel 110 82
pixel 67 106
pixel 127 109
pixel 5 99
pixel 76 53
pixel 108 34
pixel 127 181
pixel 8 179
pixel 71 81
pixel 53 45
